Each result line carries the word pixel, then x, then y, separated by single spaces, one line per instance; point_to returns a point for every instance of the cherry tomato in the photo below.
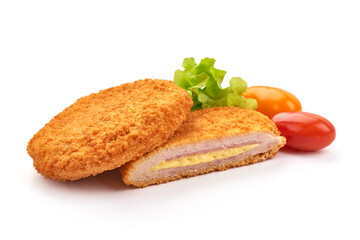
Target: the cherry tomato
pixel 273 100
pixel 305 131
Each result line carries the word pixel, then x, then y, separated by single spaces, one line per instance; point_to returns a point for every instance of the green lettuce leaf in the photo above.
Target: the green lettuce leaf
pixel 203 83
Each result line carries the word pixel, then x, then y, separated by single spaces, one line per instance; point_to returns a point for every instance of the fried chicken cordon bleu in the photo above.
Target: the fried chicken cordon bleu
pixel 104 130
pixel 210 140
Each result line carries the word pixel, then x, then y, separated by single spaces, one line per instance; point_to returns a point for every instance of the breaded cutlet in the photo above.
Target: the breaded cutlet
pixel 211 139
pixel 104 130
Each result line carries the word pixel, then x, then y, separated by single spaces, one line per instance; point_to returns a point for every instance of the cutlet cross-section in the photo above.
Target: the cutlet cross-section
pixel 104 130
pixel 210 140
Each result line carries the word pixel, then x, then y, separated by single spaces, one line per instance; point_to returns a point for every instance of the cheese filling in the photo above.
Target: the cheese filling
pixel 203 158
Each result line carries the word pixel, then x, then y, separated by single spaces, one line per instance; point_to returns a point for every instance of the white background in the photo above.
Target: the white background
pixel 53 52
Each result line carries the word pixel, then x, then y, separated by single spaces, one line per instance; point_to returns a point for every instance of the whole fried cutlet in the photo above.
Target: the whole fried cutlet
pixel 104 130
pixel 211 139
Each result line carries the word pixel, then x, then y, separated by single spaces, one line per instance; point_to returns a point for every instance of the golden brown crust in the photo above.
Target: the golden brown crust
pixel 102 131
pixel 209 124
pixel 254 159
pixel 217 122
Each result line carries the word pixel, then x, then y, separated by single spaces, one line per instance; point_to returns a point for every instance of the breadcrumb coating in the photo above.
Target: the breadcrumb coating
pixel 210 124
pixel 217 122
pixel 104 130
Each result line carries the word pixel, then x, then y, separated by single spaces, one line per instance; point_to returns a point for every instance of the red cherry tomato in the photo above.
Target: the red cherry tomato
pixel 272 101
pixel 305 131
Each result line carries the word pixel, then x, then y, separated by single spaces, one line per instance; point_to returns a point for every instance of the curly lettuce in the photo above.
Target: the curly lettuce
pixel 203 83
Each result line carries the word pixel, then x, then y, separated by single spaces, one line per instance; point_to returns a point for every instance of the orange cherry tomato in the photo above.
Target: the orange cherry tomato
pixel 272 101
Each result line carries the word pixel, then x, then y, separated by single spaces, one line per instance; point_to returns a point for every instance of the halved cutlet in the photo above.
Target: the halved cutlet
pixel 211 139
